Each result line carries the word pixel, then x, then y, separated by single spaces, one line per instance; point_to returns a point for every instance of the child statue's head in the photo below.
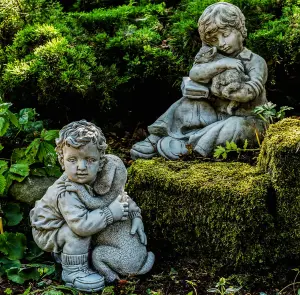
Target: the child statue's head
pixel 80 148
pixel 223 25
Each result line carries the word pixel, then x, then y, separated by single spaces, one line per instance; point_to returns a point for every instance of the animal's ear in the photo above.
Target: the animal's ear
pixel 104 179
pixel 212 51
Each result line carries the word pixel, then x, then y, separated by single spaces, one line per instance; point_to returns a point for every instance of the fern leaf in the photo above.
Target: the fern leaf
pixel 228 145
pixel 233 146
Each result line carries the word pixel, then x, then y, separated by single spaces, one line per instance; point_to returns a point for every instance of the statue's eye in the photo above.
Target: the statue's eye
pixel 91 160
pixel 72 160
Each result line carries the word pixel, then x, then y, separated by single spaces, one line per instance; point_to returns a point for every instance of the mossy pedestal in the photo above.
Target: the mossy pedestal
pixel 217 212
pixel 231 216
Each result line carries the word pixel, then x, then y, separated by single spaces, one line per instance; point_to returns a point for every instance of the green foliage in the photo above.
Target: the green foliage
pixel 221 288
pixel 231 147
pixel 268 113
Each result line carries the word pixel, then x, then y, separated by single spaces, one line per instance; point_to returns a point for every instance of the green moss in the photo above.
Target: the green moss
pixel 215 211
pixel 280 156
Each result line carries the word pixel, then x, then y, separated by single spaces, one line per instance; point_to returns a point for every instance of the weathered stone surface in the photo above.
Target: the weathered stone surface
pixel 31 189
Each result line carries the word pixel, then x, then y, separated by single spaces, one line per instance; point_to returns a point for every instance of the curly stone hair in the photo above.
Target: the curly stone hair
pixel 218 16
pixel 77 134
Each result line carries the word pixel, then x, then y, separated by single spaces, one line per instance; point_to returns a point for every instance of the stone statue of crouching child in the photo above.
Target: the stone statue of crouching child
pixel 70 213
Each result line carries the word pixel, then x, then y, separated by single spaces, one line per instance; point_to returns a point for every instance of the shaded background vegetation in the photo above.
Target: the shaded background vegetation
pixel 120 63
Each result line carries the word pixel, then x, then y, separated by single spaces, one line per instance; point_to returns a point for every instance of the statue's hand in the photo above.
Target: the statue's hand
pixel 138 226
pixel 232 63
pixel 119 210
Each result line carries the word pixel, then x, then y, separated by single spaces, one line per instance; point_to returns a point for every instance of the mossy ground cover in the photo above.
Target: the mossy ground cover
pixel 218 213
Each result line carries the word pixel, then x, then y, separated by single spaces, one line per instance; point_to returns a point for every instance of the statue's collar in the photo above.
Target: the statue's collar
pixel 245 54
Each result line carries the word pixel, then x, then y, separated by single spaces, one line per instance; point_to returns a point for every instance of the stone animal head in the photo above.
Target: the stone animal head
pixel 205 55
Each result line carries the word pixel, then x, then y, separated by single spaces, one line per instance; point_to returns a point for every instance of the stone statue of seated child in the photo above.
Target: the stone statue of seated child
pixel 87 206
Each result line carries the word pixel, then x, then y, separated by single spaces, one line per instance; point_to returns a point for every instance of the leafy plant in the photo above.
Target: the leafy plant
pixel 221 289
pixel 221 151
pixel 268 113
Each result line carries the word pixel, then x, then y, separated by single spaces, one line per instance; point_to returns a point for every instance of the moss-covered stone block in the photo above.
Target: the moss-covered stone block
pixel 217 212
pixel 280 157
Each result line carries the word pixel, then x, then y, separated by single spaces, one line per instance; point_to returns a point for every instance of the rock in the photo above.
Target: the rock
pixel 31 189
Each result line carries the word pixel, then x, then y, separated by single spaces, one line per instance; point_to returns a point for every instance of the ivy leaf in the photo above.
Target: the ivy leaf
pixel 12 214
pixel 4 124
pixel 13 118
pixel 13 245
pixel 50 135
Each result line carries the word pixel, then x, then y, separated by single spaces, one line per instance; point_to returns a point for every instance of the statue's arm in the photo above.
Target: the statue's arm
pixel 258 73
pixel 82 221
pixel 203 73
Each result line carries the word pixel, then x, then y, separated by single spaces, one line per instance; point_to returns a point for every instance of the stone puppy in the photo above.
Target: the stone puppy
pixel 224 83
pixel 115 250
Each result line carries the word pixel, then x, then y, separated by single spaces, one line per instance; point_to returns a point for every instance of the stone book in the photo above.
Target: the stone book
pixel 193 90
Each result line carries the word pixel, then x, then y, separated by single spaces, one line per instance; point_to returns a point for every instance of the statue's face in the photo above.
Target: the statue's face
pixel 82 164
pixel 227 40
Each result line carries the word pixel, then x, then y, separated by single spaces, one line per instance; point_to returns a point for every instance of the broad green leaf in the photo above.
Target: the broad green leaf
pixel 33 251
pixel 4 107
pixel 20 157
pixel 1 147
pixel 46 153
pixel 4 124
pixel 12 214
pixel 7 264
pixel 53 171
pixel 50 135
pixel 13 274
pixel 33 148
pixel 298 292
pixel 3 166
pixel 3 184
pixel 19 171
pixel 13 245
pixel 25 115
pixel 13 118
